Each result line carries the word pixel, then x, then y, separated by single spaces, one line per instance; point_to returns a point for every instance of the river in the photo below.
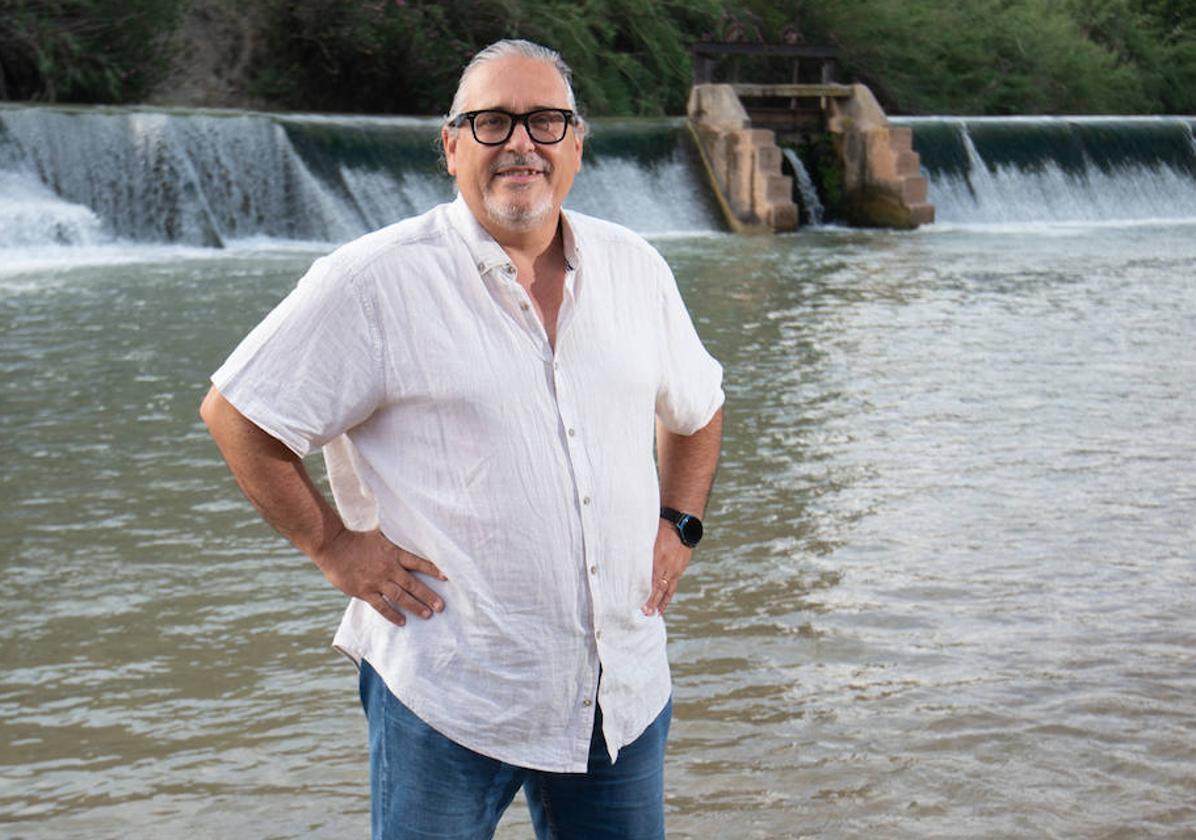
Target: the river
pixel 946 590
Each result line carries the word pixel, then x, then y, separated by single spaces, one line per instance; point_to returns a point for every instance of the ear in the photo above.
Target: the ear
pixel 579 131
pixel 450 150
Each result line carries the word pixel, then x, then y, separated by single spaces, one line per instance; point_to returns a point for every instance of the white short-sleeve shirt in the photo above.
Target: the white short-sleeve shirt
pixel 415 359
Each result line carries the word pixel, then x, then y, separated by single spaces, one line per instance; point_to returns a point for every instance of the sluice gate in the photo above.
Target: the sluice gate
pixel 744 129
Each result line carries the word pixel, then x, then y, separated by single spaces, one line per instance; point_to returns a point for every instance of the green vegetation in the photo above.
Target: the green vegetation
pixel 630 56
pixel 1019 56
pixel 84 50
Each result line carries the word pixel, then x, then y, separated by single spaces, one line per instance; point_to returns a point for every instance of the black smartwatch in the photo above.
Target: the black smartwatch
pixel 689 527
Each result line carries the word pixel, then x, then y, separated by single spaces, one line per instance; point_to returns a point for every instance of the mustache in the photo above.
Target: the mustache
pixel 518 161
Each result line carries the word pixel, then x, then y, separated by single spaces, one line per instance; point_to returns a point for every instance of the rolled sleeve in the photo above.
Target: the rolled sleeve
pixel 690 388
pixel 312 369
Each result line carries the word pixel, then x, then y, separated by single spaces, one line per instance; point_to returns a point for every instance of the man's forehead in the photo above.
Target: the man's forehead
pixel 515 81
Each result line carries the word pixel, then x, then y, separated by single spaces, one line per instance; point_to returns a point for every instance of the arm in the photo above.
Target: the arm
pixel 363 564
pixel 687 465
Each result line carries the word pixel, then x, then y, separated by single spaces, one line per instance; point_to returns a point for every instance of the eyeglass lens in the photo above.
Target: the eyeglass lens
pixel 497 126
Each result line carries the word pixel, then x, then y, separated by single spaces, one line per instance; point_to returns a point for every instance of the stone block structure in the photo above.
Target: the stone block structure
pixel 883 185
pixel 882 182
pixel 743 162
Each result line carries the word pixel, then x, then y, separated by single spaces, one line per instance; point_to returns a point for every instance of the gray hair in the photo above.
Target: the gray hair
pixel 513 48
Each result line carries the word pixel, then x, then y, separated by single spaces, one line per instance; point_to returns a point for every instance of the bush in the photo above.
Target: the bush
pixel 628 56
pixel 631 57
pixel 84 50
pixel 978 57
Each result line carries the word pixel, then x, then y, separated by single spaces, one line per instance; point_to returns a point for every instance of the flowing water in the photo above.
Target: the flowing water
pixel 1015 170
pixel 805 189
pixel 946 590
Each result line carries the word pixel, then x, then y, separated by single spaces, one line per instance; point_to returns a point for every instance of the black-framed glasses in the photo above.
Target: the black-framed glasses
pixel 493 128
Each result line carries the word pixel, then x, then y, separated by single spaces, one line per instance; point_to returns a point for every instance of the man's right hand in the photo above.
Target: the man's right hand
pixel 366 565
pixel 360 563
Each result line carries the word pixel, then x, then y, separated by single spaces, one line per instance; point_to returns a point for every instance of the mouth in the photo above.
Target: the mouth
pixel 518 173
pixel 520 170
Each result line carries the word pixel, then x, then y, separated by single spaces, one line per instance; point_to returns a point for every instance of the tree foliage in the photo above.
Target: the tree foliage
pixel 84 50
pixel 1008 57
pixel 630 56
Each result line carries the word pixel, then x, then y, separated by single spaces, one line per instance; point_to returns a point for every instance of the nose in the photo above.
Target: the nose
pixel 521 139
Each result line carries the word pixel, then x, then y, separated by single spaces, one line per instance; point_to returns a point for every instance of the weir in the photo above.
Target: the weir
pixel 1058 169
pixel 89 176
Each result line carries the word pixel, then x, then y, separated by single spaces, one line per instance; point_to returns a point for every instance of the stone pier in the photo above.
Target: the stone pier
pixel 744 163
pixel 882 181
pixel 883 185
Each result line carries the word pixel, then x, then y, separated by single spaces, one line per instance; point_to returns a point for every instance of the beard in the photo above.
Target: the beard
pixel 511 212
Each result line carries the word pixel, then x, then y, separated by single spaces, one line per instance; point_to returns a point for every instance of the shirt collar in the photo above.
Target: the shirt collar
pixel 487 254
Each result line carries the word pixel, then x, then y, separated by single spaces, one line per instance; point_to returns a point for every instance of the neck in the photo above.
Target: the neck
pixel 526 244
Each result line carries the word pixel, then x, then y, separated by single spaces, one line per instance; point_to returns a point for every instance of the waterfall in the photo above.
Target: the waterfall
pixel 90 176
pixel 1056 169
pixel 84 176
pixel 810 204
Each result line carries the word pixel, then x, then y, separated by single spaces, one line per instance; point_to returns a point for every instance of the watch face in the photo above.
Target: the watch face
pixel 691 530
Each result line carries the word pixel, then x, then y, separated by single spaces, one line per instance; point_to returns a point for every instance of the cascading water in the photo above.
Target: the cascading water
pixel 88 176
pixel 811 205
pixel 1040 169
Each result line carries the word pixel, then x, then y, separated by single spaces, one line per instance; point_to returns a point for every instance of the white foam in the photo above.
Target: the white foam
pixel 32 215
pixel 1008 194
pixel 652 199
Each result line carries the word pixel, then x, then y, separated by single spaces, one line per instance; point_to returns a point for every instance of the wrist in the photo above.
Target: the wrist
pixel 327 542
pixel 687 526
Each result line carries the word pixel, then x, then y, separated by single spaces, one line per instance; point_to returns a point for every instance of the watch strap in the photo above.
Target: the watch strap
pixel 689 527
pixel 671 514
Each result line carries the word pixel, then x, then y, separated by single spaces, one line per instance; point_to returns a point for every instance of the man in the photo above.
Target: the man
pixel 485 381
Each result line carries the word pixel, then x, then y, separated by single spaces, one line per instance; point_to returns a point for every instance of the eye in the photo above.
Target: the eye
pixel 547 120
pixel 491 121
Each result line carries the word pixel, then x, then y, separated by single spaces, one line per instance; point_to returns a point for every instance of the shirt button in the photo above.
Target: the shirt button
pixel 593 570
pixel 587 702
pixel 523 306
pixel 597 634
pixel 571 433
pixel 586 500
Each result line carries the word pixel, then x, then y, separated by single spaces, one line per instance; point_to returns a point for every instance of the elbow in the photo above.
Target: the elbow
pixel 209 409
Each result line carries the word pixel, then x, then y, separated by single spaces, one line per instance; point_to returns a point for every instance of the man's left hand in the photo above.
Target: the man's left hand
pixel 669 558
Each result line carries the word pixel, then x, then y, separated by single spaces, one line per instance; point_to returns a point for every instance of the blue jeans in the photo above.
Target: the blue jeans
pixel 425 786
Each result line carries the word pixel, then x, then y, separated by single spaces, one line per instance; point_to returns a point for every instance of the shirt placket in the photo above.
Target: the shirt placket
pixel 518 302
pixel 575 438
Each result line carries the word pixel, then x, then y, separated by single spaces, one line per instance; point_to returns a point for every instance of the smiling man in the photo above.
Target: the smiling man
pixel 488 382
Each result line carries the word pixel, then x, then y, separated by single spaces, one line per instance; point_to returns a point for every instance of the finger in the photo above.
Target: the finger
pixel 659 596
pixel 415 563
pixel 649 607
pixel 411 594
pixel 669 586
pixel 664 603
pixel 386 609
